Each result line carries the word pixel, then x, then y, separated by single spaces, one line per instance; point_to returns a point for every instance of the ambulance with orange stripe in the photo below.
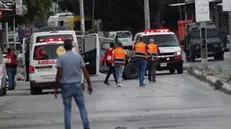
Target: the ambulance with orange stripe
pixel 45 48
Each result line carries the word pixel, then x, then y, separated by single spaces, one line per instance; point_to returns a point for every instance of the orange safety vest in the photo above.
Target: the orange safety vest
pixel 153 48
pixel 119 56
pixel 140 50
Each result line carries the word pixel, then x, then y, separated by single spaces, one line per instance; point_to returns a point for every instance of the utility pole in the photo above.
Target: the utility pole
pixel 93 17
pixel 14 34
pixel 146 14
pixel 57 7
pixel 204 55
pixel 230 37
pixel 6 31
pixel 81 7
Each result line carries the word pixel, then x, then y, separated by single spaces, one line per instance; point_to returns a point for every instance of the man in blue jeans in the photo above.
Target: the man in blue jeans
pixel 119 55
pixel 68 75
pixel 140 50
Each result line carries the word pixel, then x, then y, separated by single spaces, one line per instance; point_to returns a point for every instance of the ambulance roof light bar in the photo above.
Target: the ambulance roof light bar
pixel 156 30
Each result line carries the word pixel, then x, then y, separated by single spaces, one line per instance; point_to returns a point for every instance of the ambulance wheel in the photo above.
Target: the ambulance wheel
pixel 35 90
pixel 172 71
pixel 130 71
pixel 180 70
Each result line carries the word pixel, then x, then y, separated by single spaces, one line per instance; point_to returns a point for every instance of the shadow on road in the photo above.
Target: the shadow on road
pixel 26 92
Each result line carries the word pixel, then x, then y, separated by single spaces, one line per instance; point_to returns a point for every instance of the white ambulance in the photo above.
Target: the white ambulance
pixel 45 48
pixel 170 56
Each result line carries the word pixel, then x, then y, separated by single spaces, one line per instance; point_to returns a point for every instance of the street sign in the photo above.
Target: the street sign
pixel 226 5
pixel 202 10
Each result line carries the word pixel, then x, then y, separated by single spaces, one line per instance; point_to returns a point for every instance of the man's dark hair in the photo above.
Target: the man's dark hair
pixel 112 44
pixel 120 44
pixel 68 44
pixel 141 39
pixel 9 50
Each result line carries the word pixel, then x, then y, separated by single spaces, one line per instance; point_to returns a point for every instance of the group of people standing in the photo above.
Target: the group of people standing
pixel 145 56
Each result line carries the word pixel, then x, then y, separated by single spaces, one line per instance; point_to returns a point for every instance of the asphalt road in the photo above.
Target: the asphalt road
pixel 173 102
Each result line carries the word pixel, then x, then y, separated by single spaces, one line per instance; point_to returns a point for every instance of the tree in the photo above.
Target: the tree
pixel 36 10
pixel 121 14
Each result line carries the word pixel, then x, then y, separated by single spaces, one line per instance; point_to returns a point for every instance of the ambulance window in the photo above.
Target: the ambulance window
pixel 137 38
pixel 56 37
pixel 163 40
pixel 51 51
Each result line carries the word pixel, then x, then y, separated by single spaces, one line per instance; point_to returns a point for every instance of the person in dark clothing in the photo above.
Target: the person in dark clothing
pixel 154 51
pixel 27 61
pixel 11 68
pixel 108 60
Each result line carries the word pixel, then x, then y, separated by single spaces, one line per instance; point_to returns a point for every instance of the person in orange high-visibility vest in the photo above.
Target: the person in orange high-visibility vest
pixel 119 55
pixel 140 50
pixel 153 49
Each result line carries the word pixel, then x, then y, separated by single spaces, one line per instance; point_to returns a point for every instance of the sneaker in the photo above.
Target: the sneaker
pixel 142 85
pixel 119 85
pixel 106 83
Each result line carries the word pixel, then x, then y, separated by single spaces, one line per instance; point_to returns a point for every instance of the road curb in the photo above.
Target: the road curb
pixel 211 80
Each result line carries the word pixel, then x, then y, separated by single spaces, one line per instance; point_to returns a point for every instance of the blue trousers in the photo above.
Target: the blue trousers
pixel 141 65
pixel 11 72
pixel 69 91
pixel 119 73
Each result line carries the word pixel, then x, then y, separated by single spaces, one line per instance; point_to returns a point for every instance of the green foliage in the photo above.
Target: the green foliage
pixel 122 14
pixel 36 10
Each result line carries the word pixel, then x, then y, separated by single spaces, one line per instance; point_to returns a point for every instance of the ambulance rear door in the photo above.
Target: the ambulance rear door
pixel 89 49
pixel 104 46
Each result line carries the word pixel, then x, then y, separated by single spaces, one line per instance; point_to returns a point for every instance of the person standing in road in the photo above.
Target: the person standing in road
pixel 108 60
pixel 153 49
pixel 11 67
pixel 118 56
pixel 69 68
pixel 140 50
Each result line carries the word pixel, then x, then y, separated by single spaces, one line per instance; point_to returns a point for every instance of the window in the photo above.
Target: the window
pixel 45 38
pixel 111 36
pixel 68 25
pixel 77 25
pixel 60 23
pixel 137 38
pixel 211 33
pixel 43 52
pixel 162 40
pixel 195 34
pixel 18 46
pixel 123 35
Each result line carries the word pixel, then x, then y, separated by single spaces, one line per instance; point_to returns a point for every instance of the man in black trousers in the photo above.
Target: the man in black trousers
pixel 108 60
